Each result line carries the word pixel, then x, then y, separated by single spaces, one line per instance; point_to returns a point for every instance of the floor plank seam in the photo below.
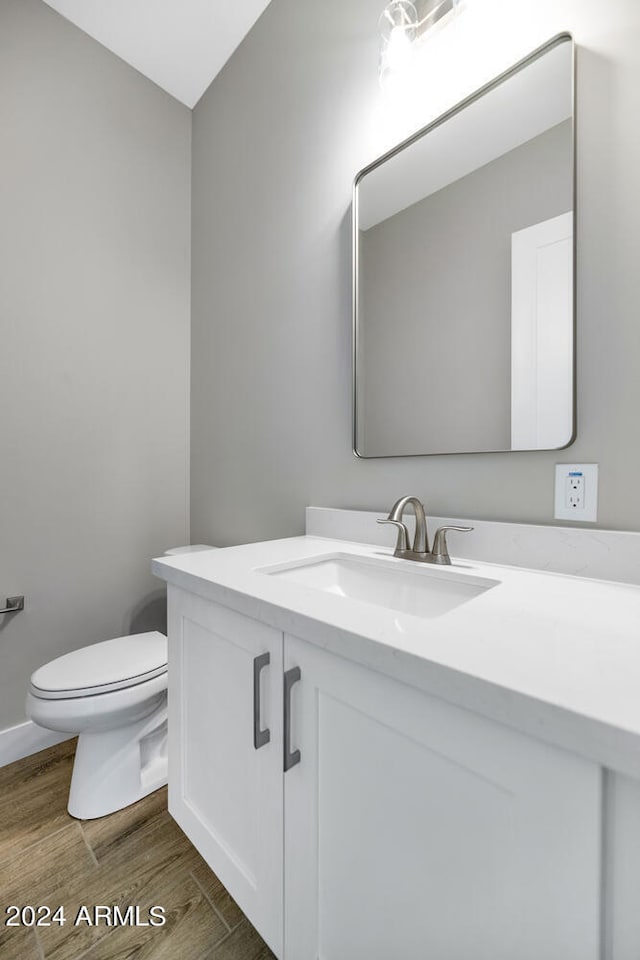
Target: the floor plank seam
pixel 39 946
pixel 227 927
pixel 214 946
pixel 88 846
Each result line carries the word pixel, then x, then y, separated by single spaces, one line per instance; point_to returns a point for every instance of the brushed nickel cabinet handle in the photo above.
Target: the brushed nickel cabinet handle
pixel 260 736
pixel 290 758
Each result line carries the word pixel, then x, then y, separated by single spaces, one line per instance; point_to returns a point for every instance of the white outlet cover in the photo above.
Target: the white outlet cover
pixel 589 512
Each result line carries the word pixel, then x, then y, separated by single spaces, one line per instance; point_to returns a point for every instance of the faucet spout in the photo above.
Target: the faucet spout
pixel 420 549
pixel 420 538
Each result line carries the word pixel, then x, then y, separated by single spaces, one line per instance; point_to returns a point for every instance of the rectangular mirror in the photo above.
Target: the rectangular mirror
pixel 464 264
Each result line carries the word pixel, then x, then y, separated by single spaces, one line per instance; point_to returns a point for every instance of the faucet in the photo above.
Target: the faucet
pixel 419 551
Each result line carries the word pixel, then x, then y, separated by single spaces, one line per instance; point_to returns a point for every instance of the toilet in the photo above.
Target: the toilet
pixel 113 695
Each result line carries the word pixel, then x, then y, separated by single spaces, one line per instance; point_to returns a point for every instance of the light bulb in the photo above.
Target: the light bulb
pixel 399 49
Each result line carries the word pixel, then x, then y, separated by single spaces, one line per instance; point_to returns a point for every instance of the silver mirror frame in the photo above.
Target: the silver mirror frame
pixel 557 40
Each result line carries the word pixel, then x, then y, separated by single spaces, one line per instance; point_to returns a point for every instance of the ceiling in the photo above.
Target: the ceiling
pixel 179 44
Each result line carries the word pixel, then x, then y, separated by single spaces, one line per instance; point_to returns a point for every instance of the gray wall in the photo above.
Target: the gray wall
pixel 434 365
pixel 277 140
pixel 94 319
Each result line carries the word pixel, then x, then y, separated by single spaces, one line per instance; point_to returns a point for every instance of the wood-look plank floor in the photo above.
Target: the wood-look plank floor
pixel 137 856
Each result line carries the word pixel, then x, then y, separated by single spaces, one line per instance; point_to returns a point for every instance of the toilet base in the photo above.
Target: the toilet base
pixel 115 768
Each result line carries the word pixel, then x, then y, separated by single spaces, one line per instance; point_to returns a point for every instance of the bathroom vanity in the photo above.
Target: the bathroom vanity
pixel 383 759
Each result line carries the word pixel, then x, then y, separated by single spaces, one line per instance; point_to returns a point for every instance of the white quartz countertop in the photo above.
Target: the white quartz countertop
pixel 552 655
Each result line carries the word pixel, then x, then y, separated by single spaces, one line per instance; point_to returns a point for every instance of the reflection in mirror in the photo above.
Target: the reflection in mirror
pixel 464 274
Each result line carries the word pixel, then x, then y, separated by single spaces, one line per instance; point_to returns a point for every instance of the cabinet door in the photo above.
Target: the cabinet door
pixel 226 794
pixel 418 831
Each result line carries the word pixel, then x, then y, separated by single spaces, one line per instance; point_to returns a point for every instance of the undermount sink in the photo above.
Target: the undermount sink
pixel 422 592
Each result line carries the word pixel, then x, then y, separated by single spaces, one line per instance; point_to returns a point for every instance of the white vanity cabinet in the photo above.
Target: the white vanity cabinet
pixel 412 828
pixel 226 794
pixel 415 829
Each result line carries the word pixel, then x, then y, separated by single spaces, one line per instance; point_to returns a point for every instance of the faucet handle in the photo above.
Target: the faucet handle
pixel 402 543
pixel 440 552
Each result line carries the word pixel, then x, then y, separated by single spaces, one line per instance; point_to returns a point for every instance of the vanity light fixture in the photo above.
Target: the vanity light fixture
pixel 400 26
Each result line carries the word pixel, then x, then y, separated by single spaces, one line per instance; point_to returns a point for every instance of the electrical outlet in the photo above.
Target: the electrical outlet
pixel 576 492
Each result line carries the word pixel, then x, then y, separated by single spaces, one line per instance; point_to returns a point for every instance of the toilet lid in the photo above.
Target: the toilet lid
pixel 101 667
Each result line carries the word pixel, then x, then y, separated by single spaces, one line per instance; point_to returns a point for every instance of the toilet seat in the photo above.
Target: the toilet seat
pixel 102 667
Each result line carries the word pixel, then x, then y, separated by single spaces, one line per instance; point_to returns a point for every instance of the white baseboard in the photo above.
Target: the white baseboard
pixel 26 738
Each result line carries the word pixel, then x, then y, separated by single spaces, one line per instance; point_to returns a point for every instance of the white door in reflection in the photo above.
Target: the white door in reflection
pixel 542 335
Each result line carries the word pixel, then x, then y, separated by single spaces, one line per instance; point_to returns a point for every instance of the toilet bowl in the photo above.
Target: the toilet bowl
pixel 114 696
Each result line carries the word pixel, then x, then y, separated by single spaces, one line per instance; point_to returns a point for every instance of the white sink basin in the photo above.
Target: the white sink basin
pixel 417 589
